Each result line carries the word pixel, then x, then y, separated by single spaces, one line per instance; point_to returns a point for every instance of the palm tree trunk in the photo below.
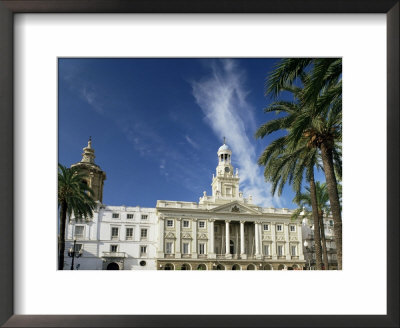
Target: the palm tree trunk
pixel 327 160
pixel 324 250
pixel 314 205
pixel 61 240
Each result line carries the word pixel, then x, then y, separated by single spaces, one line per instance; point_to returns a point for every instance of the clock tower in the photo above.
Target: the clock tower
pixel 225 183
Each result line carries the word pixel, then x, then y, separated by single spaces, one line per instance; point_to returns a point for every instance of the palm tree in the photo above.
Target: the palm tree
pixel 74 196
pixel 319 121
pixel 286 161
pixel 303 200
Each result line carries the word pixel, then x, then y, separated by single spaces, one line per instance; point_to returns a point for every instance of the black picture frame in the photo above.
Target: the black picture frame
pixel 10 7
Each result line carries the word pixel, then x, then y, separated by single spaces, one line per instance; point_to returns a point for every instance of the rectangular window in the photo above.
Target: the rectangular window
pixel 79 232
pixel 129 216
pixel 114 233
pixel 185 223
pixel 170 223
pixel 202 224
pixel 279 227
pixel 185 248
pixel 293 250
pixel 266 227
pixel 168 247
pixel 280 250
pixel 115 215
pixel 143 250
pixel 78 247
pixel 143 233
pixel 292 228
pixel 266 250
pixel 144 216
pixel 331 223
pixel 114 248
pixel 202 248
pixel 129 233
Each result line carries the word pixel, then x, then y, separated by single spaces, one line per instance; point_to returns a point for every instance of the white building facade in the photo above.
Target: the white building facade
pixel 226 231
pixel 309 250
pixel 117 238
pixel 223 231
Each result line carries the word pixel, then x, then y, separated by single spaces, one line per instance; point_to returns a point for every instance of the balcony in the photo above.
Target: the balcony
pixel 114 254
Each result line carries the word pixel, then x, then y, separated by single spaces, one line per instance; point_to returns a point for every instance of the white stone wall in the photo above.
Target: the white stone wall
pixel 97 239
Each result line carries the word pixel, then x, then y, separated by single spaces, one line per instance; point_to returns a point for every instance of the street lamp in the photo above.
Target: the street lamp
pixel 309 251
pixel 72 253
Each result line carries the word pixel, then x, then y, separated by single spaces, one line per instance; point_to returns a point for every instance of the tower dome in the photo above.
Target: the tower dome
pixel 224 147
pixel 224 153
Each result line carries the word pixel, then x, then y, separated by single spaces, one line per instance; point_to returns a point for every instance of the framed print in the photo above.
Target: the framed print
pixel 40 37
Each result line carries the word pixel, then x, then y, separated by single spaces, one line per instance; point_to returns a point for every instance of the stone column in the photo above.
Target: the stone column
pixel 300 239
pixel 178 238
pixel 287 249
pixel 273 245
pixel 257 237
pixel 242 240
pixel 227 239
pixel 160 250
pixel 194 238
pixel 210 250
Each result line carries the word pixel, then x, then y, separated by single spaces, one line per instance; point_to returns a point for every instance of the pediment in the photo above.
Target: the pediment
pixel 234 208
pixel 169 235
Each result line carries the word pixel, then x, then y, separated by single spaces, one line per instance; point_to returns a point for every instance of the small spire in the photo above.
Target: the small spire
pixel 88 153
pixel 224 140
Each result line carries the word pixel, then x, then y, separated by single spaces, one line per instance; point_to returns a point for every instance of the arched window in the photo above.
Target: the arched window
pixel 202 267
pixel 185 266
pixel 236 267
pixel 251 267
pixel 168 266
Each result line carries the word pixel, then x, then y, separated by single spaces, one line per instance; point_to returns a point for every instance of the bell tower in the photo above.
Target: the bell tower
pixel 225 183
pixel 94 175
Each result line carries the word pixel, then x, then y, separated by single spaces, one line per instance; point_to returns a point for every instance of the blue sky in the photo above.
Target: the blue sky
pixel 156 124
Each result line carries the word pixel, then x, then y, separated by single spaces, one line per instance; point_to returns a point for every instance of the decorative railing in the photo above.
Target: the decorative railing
pixel 114 254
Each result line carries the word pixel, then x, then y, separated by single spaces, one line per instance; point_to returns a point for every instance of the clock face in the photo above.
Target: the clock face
pixel 227 169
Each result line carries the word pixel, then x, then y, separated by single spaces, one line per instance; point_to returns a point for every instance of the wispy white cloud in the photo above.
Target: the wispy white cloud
pixel 89 94
pixel 84 89
pixel 191 142
pixel 222 98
